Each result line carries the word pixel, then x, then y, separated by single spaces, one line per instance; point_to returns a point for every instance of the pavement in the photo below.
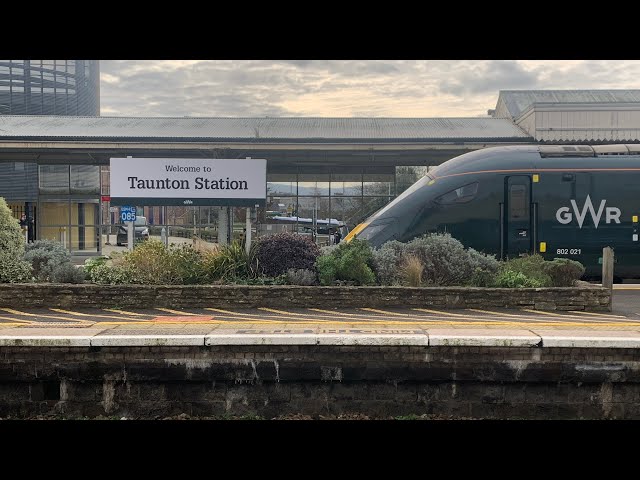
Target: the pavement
pixel 314 326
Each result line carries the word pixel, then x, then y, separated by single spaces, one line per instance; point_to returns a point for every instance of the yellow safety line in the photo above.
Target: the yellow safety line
pixel 78 314
pixel 151 322
pixel 626 288
pixel 385 312
pixel 332 312
pixel 538 312
pixel 178 312
pixel 496 313
pixel 570 317
pixel 212 322
pixel 428 324
pixel 426 310
pixel 603 315
pixel 219 310
pixel 16 312
pixel 273 310
pixel 124 312
pixel 11 319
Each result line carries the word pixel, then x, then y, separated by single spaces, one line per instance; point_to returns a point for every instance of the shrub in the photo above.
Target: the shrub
pixel 11 236
pixel 112 274
pixel 91 263
pixel 412 269
pixel 301 277
pixel 327 249
pixel 45 256
pixel 150 264
pixel 279 280
pixel 512 279
pixel 16 271
pixel 531 266
pixel 563 271
pixel 283 251
pixel 232 263
pixel 68 273
pixel 444 258
pixel 353 262
pixel 483 268
pixel 186 262
pixel 327 269
pixel 13 269
pixel 386 262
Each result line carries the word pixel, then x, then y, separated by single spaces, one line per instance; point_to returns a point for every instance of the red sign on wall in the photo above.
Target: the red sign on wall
pixel 106 198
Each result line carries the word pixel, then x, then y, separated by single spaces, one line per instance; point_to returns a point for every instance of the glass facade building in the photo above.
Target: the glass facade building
pixel 50 87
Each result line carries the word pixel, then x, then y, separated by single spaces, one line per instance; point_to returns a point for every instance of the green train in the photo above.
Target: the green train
pixel 555 200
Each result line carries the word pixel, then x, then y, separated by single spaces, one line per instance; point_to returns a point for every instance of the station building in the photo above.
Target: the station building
pixel 56 168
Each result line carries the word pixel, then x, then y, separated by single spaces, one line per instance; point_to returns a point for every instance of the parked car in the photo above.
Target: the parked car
pixel 141 232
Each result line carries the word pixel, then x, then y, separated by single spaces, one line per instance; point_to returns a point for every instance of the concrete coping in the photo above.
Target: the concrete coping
pixel 375 337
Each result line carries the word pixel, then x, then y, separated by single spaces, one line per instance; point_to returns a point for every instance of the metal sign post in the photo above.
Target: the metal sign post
pixel 130 236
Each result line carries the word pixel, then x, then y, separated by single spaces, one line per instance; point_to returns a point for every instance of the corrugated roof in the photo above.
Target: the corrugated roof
pixel 517 101
pixel 258 129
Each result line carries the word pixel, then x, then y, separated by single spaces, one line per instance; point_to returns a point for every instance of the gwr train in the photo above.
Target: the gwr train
pixel 555 200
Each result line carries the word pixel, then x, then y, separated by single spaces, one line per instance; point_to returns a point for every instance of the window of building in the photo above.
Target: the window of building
pixel 378 184
pixel 346 184
pixel 84 179
pixel 54 178
pixel 281 184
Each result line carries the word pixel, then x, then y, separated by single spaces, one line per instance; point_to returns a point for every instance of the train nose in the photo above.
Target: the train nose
pixel 378 231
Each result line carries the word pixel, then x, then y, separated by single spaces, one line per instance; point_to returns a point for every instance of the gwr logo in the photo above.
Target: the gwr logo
pixel 564 215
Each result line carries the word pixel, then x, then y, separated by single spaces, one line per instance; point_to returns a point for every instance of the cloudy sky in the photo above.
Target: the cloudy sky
pixel 340 88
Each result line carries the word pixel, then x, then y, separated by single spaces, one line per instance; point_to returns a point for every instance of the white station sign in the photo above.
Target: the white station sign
pixel 188 181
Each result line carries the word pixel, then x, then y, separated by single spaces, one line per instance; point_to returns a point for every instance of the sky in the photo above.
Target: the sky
pixel 340 88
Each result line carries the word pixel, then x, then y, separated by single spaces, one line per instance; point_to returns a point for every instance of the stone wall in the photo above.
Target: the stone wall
pixel 590 298
pixel 270 381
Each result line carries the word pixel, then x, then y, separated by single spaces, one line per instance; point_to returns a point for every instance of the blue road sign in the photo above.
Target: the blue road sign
pixel 128 214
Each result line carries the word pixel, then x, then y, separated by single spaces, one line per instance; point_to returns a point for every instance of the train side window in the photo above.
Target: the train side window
pixel 518 201
pixel 463 194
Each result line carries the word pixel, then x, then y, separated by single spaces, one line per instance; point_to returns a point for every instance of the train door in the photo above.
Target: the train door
pixel 517 223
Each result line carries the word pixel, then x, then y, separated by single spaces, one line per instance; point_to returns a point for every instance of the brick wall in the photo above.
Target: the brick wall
pixel 382 382
pixel 590 298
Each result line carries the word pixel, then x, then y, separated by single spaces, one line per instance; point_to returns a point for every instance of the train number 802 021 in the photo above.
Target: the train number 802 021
pixel 568 251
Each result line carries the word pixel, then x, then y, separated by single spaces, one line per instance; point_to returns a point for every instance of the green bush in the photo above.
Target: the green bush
pixel 327 269
pixel 513 279
pixel 483 268
pixel 112 274
pixel 68 273
pixel 279 280
pixel 91 263
pixel 187 264
pixel 350 262
pixel 16 271
pixel 45 256
pixel 232 263
pixel 563 271
pixel 445 260
pixel 531 266
pixel 387 262
pixel 301 277
pixel 13 269
pixel 150 264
